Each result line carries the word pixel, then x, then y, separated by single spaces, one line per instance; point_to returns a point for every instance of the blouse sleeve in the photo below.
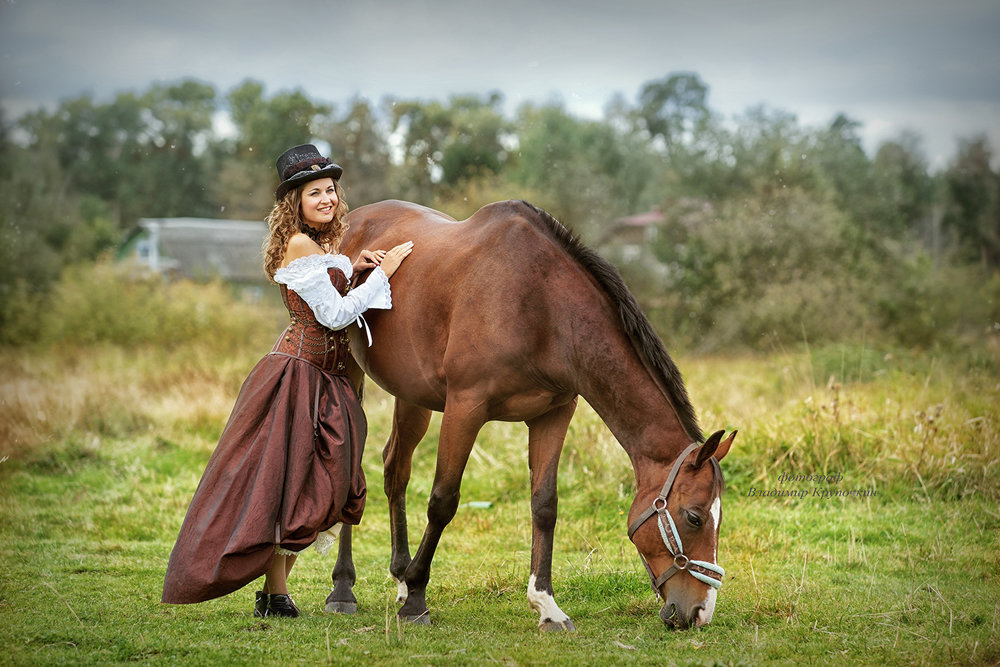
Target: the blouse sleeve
pixel 307 276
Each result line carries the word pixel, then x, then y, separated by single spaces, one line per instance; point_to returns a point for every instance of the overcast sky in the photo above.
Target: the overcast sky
pixel 930 66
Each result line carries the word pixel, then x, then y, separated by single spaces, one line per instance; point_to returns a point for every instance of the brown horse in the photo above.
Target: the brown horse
pixel 507 316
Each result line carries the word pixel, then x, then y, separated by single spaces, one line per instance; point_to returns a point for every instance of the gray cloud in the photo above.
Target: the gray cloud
pixel 924 65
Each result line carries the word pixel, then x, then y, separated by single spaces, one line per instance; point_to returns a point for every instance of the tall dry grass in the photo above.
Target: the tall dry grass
pixel 112 354
pixel 54 398
pixel 120 358
pixel 925 426
pixel 906 420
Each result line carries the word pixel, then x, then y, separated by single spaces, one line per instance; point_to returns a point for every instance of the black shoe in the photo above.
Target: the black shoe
pixel 281 605
pixel 260 604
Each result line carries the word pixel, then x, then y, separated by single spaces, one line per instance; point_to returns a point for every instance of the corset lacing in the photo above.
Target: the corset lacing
pixel 307 339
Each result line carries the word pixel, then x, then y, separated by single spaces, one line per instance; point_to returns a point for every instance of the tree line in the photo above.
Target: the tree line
pixel 771 231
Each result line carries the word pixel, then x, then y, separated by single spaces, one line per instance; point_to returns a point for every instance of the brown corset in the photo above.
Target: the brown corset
pixel 307 339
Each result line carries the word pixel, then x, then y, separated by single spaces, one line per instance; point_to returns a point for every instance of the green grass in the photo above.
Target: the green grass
pixel 104 449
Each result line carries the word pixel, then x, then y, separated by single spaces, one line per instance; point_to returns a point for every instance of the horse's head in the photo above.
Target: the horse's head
pixel 676 530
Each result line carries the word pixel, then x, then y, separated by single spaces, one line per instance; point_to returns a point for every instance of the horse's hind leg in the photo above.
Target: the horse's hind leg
pixel 409 424
pixel 459 425
pixel 545 441
pixel 341 599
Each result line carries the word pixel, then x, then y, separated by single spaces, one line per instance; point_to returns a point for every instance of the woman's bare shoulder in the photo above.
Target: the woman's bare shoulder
pixel 300 245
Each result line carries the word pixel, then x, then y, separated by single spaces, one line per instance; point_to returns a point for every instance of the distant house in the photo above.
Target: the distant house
pixel 633 233
pixel 631 239
pixel 199 248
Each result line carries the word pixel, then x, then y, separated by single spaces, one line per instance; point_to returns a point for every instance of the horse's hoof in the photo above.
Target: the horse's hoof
pixel 336 607
pixel 422 619
pixel 557 626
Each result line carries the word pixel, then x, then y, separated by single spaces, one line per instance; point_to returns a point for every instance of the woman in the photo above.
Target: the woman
pixel 287 468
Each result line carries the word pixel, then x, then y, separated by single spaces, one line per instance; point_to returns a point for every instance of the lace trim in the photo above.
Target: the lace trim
pixel 384 299
pixel 303 268
pixel 327 538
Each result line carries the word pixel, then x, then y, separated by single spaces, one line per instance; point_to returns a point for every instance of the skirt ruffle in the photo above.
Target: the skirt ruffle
pixel 287 467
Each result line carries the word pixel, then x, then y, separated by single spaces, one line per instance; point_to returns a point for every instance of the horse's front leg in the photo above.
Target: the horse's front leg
pixel 341 599
pixel 459 425
pixel 409 424
pixel 546 435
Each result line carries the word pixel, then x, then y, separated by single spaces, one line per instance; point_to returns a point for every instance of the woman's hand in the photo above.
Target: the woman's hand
pixel 395 257
pixel 368 259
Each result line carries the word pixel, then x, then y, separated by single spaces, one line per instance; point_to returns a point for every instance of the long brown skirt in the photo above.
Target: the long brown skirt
pixel 274 479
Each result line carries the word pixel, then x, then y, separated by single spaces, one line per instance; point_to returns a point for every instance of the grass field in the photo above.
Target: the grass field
pixel 102 448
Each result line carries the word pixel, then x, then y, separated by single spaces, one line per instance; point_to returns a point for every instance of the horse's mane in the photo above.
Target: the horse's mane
pixel 644 338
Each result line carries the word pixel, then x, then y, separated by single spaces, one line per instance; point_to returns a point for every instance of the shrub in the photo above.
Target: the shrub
pixel 105 302
pixel 769 271
pixel 759 270
pixel 923 303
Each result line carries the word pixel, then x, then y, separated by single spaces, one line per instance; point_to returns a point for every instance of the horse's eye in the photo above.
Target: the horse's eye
pixel 694 519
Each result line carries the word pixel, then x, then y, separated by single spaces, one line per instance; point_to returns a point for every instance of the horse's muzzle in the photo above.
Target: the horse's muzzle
pixel 675 620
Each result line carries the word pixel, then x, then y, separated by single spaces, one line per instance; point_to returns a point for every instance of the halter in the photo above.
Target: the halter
pixel 708 573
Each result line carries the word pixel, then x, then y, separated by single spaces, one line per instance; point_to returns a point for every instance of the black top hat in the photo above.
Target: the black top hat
pixel 301 164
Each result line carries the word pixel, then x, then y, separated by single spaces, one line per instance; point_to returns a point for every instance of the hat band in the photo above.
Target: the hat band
pixel 312 164
pixel 307 172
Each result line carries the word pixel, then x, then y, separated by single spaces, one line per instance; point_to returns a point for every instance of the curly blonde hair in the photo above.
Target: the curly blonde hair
pixel 285 221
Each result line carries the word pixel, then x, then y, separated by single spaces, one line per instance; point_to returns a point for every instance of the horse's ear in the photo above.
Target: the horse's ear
pixel 706 451
pixel 724 446
pixel 716 446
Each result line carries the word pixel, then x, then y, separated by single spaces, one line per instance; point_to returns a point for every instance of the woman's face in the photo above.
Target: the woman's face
pixel 319 202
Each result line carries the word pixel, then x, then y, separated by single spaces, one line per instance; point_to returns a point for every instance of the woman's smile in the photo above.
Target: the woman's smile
pixel 319 202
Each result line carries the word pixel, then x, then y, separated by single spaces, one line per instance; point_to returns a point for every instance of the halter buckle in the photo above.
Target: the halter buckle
pixel 678 561
pixel 660 499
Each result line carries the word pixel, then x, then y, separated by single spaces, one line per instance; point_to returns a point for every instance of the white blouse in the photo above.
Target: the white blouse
pixel 307 276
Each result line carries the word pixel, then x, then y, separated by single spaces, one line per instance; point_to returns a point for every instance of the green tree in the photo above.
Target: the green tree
pixel 973 207
pixel 170 176
pixel 475 143
pixel 589 172
pixel 268 126
pixel 845 172
pixel 764 268
pixel 422 128
pixel 674 108
pixel 673 118
pixel 86 144
pixel 358 142
pixel 763 155
pixel 36 221
pixel 443 145
pixel 903 188
pixel 140 154
pixel 87 171
pixel 265 128
pixel 61 186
